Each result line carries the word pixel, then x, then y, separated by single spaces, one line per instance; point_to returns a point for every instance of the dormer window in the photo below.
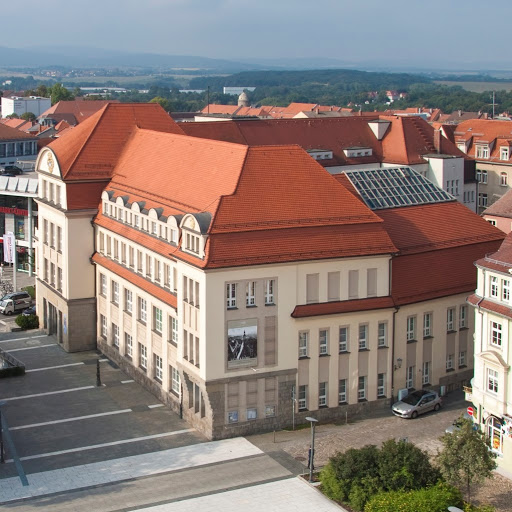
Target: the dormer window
pixel 357 152
pixel 320 154
pixel 461 146
pixel 482 151
pixel 192 243
pixel 504 153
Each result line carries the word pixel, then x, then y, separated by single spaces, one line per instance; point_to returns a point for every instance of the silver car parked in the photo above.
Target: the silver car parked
pixel 416 403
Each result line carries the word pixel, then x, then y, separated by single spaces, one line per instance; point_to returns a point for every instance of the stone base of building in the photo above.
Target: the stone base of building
pixel 456 380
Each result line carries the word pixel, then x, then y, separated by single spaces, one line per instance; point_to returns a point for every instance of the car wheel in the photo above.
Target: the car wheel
pixel 9 313
pixel 437 407
pixel 414 415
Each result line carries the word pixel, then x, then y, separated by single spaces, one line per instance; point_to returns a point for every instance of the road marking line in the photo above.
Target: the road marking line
pixel 23 339
pixel 47 393
pixel 104 445
pixel 127 381
pixel 31 348
pixel 53 367
pixel 154 406
pixel 103 360
pixel 76 418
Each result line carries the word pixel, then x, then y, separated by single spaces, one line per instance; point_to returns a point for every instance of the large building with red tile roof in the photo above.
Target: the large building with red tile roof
pixel 491 387
pixel 230 278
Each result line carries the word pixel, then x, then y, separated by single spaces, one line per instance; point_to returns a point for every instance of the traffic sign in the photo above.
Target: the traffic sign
pixel 470 411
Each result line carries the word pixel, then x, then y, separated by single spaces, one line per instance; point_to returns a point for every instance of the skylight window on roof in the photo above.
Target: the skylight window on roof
pixel 395 187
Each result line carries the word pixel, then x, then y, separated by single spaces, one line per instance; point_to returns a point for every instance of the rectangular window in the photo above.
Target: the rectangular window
pixel 143 310
pixel 427 325
pixel 312 284
pixel 103 326
pixel 333 286
pixel 381 385
pixel 342 391
pixel 143 356
pixel 103 285
pixel 494 287
pixel 504 153
pixel 492 380
pixel 323 337
pixel 450 361
pixel 157 320
pixel 231 295
pixel 128 344
pixel 409 377
pixel 128 300
pixel 482 151
pixel 174 329
pixel 322 394
pixel 59 279
pixel 115 335
pixel 450 319
pixel 361 388
pixel 382 337
pixel 252 414
pixel 496 332
pixel 462 358
pixel 303 343
pixel 463 316
pixel 302 400
pixel 482 200
pixel 353 284
pixel 159 371
pixel 425 379
pixel 371 282
pixel 250 293
pixel 503 179
pixel 411 328
pixel 343 339
pixel 505 290
pixel 59 239
pixel 269 291
pixel 363 337
pixel 175 381
pixel 115 292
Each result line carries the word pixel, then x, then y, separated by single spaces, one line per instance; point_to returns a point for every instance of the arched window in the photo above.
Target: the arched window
pixel 494 431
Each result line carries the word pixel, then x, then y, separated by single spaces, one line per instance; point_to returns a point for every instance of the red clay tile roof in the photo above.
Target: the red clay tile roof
pixel 502 207
pixel 137 280
pixel 84 196
pixel 8 133
pixel 489 305
pixel 91 150
pixel 80 110
pixel 19 124
pixel 212 108
pixel 340 307
pixel 501 260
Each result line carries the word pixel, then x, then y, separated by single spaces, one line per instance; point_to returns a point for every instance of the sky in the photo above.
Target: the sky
pixel 447 32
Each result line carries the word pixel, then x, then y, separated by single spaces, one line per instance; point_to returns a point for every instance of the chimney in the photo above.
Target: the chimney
pixel 437 140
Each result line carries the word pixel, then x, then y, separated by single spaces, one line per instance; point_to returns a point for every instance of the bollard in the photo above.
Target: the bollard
pixel 98 376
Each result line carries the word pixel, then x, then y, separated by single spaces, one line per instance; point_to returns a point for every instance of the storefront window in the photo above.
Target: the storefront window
pixel 19 227
pixel 495 434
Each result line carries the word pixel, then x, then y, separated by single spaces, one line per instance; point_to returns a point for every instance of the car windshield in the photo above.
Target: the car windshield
pixel 411 399
pixel 4 303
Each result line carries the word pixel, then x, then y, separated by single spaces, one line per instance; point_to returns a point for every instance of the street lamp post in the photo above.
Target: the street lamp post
pixel 313 421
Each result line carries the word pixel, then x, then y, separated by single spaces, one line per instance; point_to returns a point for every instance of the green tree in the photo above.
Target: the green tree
pixel 59 93
pixel 28 116
pixel 164 103
pixel 13 116
pixel 466 457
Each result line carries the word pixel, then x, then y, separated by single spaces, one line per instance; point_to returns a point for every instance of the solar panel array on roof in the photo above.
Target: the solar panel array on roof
pixel 394 187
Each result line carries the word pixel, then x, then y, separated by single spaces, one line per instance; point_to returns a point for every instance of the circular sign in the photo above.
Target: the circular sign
pixel 470 411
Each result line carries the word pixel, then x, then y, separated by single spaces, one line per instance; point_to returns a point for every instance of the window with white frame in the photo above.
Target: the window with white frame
pixel 128 344
pixel 496 332
pixel 427 325
pixel 231 295
pixel 482 151
pixel 505 290
pixel 128 300
pixel 343 339
pixel 303 398
pixel 174 329
pixel 494 286
pixel 381 385
pixel 115 335
pixel 303 343
pixel 159 368
pixel 342 391
pixel 463 316
pixel 503 179
pixel 269 291
pixel 192 243
pixel 410 373
pixel 484 177
pixel 363 337
pixel 462 358
pixel 323 338
pixel 103 285
pixel 482 200
pixel 425 378
pixel 250 293
pixel 504 153
pixel 157 320
pixel 411 328
pixel 143 356
pixel 492 380
pixel 450 319
pixel 115 292
pixel 312 287
pixel 361 388
pixel 322 394
pixel 143 310
pixel 450 361
pixel 175 381
pixel 382 336
pixel 103 326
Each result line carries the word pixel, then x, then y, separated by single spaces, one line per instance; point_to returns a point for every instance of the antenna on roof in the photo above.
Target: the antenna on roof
pixel 208 97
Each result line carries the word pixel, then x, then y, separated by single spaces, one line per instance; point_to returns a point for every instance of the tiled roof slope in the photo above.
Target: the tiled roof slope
pixel 79 109
pixel 8 133
pixel 91 150
pixel 501 260
pixel 19 124
pixel 340 307
pixel 405 142
pixel 502 207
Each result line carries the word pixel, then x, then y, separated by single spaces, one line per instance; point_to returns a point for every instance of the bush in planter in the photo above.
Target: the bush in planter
pixel 27 322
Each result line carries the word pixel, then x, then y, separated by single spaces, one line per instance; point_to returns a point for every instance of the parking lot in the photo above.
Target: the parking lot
pixel 58 417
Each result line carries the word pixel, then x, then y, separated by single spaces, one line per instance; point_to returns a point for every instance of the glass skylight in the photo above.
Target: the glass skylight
pixel 394 187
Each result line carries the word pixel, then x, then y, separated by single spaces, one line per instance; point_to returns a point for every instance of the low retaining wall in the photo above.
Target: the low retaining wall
pixel 13 368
